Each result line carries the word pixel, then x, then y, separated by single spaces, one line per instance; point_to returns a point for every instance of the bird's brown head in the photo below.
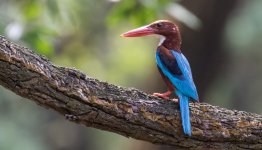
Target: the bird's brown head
pixel 168 32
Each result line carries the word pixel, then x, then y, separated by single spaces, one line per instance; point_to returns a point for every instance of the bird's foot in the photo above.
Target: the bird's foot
pixel 163 95
pixel 175 100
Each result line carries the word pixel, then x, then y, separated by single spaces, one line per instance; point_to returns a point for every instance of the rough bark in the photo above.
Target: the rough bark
pixel 126 111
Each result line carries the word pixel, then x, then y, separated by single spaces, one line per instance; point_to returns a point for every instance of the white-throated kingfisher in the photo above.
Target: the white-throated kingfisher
pixel 172 65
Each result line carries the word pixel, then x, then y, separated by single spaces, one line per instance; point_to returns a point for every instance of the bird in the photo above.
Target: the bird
pixel 173 66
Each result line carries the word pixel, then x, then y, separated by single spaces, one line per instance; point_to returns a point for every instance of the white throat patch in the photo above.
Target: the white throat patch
pixel 162 39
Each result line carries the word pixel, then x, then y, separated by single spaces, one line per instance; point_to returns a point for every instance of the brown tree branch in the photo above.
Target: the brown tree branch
pixel 125 111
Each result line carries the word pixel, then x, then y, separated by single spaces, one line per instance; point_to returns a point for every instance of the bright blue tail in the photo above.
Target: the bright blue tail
pixel 184 109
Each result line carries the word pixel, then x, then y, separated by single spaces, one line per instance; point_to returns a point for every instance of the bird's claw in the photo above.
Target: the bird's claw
pixel 164 95
pixel 175 100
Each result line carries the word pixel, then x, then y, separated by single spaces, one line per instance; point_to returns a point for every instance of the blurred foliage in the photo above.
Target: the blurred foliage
pixel 137 12
pixel 84 34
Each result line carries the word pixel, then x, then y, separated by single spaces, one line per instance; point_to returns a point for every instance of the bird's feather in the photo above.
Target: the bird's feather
pixel 171 64
pixel 178 71
pixel 175 67
pixel 184 109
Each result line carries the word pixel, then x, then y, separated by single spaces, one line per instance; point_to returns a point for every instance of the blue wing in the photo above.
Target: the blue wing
pixel 184 81
pixel 187 66
pixel 171 64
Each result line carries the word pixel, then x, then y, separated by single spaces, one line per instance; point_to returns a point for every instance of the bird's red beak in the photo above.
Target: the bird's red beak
pixel 142 31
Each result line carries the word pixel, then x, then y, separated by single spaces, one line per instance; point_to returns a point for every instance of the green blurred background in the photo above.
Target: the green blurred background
pixel 222 40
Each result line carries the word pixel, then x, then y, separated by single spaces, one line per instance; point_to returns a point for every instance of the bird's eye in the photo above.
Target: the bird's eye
pixel 159 25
